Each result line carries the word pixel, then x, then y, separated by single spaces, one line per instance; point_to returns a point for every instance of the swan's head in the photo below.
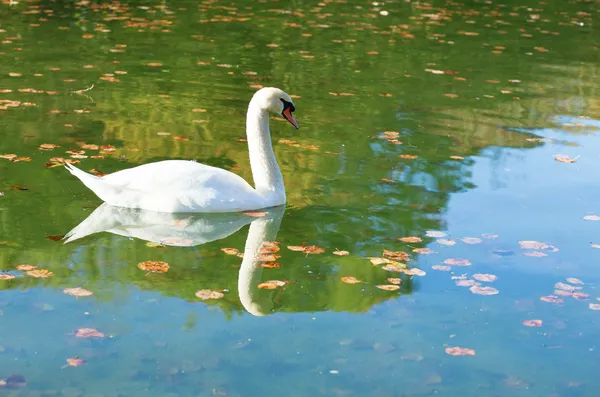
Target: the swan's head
pixel 276 101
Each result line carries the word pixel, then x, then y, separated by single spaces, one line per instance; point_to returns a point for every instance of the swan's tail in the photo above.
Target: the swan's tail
pixel 104 190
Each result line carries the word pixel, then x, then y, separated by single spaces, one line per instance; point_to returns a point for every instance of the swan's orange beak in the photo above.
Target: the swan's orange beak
pixel 287 114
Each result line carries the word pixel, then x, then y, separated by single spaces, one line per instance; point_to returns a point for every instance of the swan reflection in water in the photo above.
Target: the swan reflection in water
pixel 188 230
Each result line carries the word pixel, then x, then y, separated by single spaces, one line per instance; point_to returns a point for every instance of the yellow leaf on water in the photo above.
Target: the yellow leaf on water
pixel 410 239
pixel 272 284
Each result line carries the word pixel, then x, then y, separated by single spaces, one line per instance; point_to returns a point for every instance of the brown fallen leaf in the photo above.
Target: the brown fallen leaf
pixel 388 287
pixel 6 276
pixel 207 294
pixel 154 266
pixel 488 278
pixel 459 351
pixel 270 265
pixel 272 284
pixel 563 158
pixel 410 239
pixel 478 290
pixel 551 299
pixel 269 247
pixel 77 291
pixel 230 251
pixel 424 251
pixel 39 273
pixel 88 333
pixel 56 237
pixel 75 362
pixel 26 267
pixel 307 249
pixel 15 187
pixel 256 214
pixel 457 262
pixel 532 323
pixel 396 255
pixel 350 280
pixel 395 280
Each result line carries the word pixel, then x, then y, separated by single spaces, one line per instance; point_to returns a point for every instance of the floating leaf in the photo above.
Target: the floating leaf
pixel 415 272
pixel 395 280
pixel 457 262
pixel 446 242
pixel 563 158
pixel 75 362
pixel 441 268
pixel 551 299
pixel 435 234
pixel 580 296
pixel 379 261
pixel 77 291
pixel 396 255
pixel 566 287
pixel 488 278
pixel 230 251
pixel 459 351
pixel 466 283
pixel 307 249
pixel 25 268
pixel 393 268
pixel 6 276
pixel 153 244
pixel 341 253
pixel 390 287
pixel 88 333
pixel 270 265
pixel 56 237
pixel 533 245
pixel 574 280
pixel 471 240
pixel 411 239
pixel 594 306
pixel 476 289
pixel 207 294
pixel 532 323
pixel 272 284
pixel 535 254
pixel 39 273
pixel 154 266
pixel 350 280
pixel 269 247
pixel 424 251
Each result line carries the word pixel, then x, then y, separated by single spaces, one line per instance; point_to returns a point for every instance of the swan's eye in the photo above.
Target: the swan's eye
pixel 287 104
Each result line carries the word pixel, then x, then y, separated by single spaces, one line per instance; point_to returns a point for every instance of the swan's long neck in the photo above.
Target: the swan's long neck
pixel 267 176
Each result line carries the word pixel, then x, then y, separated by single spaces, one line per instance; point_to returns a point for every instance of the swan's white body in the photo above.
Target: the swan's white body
pixel 187 186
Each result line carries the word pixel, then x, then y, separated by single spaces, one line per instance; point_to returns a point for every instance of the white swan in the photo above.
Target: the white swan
pixel 187 230
pixel 186 186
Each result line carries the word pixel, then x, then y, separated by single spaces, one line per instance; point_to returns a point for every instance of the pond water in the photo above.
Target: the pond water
pixel 431 134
